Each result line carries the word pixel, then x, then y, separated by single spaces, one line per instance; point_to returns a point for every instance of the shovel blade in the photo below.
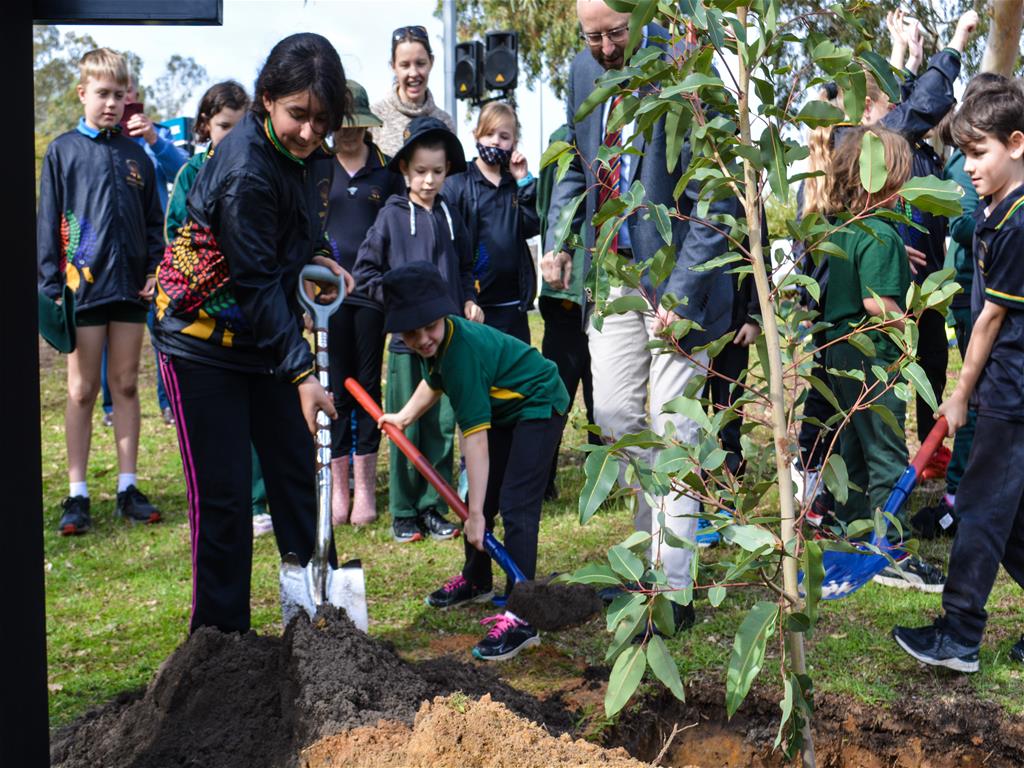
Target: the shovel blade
pixel 345 589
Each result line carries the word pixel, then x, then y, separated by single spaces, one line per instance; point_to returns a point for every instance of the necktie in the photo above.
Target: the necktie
pixel 608 177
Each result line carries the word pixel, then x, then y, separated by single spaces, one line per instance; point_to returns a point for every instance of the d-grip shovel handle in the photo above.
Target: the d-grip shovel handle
pixel 930 445
pixel 492 546
pixel 320 313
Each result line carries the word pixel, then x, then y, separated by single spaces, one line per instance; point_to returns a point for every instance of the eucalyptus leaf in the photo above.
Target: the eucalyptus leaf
pixel 748 653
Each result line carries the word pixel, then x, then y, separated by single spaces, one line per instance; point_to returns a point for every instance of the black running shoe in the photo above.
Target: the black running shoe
pixel 912 573
pixel 458 591
pixel 75 518
pixel 505 639
pixel 936 646
pixel 1017 652
pixel 406 529
pixel 436 526
pixel 932 522
pixel 133 505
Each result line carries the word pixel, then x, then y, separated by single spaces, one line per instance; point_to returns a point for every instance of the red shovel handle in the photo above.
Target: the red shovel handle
pixel 411 452
pixel 930 445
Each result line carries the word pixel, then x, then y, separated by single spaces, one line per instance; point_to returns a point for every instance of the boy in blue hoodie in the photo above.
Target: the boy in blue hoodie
pixel 420 226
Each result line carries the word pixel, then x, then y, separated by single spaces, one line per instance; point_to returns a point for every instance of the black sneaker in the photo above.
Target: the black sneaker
pixel 133 505
pixel 458 591
pixel 1017 652
pixel 936 646
pixel 406 529
pixel 75 518
pixel 912 573
pixel 505 639
pixel 436 526
pixel 932 522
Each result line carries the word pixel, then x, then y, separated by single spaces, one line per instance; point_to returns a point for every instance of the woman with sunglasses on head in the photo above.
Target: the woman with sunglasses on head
pixel 238 370
pixel 411 61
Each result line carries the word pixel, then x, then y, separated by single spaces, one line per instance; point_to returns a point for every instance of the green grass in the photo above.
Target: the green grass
pixel 118 598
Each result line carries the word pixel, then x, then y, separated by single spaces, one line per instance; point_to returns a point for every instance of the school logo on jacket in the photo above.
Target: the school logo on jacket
pixel 376 195
pixel 134 177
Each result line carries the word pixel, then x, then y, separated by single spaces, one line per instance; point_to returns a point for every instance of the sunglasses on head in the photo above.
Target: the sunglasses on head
pixel 417 32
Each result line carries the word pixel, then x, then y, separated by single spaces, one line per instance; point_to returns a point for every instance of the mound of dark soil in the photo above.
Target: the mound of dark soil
pixel 947 729
pixel 245 701
pixel 552 607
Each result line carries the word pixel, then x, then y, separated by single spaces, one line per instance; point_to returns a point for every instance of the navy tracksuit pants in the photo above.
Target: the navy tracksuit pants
pixel 990 503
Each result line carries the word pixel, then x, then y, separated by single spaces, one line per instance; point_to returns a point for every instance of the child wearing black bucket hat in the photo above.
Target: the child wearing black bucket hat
pixel 419 226
pixel 510 404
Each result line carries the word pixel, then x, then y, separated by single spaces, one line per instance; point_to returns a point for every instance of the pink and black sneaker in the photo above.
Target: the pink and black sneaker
pixel 458 591
pixel 507 637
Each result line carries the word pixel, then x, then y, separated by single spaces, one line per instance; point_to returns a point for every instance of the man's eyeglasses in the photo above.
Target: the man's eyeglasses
pixel 417 32
pixel 617 35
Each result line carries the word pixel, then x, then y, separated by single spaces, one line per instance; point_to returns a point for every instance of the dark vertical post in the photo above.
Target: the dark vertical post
pixel 24 726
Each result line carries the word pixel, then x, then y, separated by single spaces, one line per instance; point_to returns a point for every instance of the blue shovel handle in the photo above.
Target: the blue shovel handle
pixel 501 556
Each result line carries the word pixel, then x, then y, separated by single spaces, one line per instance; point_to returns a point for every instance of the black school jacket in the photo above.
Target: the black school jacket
pixel 927 99
pixel 99 223
pixel 510 217
pixel 354 204
pixel 226 286
pixel 405 232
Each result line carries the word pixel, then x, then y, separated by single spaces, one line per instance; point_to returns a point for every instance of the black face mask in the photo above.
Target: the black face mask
pixel 494 155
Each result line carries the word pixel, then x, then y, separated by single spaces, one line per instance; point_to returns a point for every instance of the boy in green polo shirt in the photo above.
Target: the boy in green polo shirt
pixel 510 404
pixel 875 266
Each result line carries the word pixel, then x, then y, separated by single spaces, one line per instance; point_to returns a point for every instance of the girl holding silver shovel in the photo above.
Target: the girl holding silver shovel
pixel 229 330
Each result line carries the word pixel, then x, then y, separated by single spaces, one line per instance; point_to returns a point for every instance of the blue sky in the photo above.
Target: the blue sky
pixel 359 29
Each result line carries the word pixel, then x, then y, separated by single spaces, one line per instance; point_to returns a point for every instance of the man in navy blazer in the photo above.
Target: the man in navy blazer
pixel 632 383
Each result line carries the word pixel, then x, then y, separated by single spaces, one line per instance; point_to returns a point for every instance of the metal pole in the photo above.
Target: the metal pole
pixel 542 139
pixel 24 724
pixel 448 18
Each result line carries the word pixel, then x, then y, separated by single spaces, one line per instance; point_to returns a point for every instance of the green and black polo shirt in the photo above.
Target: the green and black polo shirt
pixel 493 379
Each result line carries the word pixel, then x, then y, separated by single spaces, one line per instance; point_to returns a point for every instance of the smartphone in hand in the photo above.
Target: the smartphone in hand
pixel 130 110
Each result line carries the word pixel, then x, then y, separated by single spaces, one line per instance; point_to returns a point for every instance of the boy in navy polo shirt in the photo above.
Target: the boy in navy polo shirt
pixel 989 129
pixel 510 404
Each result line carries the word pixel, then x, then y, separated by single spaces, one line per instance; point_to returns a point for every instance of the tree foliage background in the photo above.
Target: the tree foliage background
pixel 549 32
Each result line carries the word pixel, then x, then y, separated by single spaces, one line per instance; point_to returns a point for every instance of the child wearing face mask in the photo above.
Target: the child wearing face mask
pixel 420 225
pixel 496 197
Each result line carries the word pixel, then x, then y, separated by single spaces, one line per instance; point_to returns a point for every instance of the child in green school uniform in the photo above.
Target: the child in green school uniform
pixel 510 404
pixel 875 266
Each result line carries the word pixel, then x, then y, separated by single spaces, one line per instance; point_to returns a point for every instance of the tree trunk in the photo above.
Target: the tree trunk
pixel 1003 45
pixel 776 387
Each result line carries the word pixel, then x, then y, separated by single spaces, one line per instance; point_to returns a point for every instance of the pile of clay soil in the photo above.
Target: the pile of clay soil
pixel 457 732
pixel 245 701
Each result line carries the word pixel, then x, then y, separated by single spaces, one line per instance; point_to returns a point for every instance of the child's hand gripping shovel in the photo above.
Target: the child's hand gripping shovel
pixel 491 545
pixel 846 572
pixel 307 588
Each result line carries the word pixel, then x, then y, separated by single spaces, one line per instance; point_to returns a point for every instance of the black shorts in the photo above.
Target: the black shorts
pixel 114 312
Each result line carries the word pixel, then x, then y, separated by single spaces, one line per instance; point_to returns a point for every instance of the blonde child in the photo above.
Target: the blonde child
pixel 497 199
pixel 98 231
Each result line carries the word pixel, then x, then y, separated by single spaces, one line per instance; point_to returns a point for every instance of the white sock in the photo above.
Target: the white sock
pixel 78 489
pixel 124 480
pixel 510 615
